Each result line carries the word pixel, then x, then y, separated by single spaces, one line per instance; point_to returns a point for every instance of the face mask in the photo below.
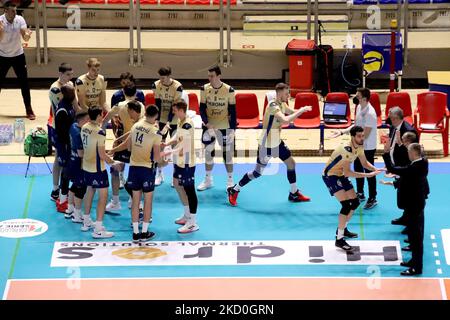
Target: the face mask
pixel 355 100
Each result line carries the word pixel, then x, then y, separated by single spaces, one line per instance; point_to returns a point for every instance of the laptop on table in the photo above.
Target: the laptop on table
pixel 334 113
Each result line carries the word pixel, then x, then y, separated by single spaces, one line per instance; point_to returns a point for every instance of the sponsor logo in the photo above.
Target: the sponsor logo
pixel 189 253
pixel 22 228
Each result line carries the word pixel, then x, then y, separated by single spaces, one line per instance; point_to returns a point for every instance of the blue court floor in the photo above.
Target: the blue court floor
pixel 263 215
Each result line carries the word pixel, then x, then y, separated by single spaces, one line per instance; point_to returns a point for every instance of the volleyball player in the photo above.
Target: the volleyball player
pixel 336 174
pixel 166 91
pixel 129 112
pixel 95 175
pixel 91 87
pixel 270 145
pixel 218 112
pixel 144 143
pixel 65 75
pixel 184 168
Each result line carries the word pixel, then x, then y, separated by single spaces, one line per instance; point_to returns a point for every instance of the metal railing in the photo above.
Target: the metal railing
pixel 224 25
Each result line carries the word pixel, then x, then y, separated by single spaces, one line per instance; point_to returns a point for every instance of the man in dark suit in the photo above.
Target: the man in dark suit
pixel 398 152
pixel 414 184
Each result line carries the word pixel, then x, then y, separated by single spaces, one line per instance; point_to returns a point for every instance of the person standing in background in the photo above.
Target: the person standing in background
pixel 12 28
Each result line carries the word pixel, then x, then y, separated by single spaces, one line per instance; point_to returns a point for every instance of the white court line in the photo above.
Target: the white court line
pixel 438 262
pixel 5 293
pixel 443 291
pixel 240 277
pixel 434 244
pixel 436 254
pixel 433 237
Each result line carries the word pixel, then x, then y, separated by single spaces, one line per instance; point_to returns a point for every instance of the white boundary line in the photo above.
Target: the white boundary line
pixel 239 277
pixel 5 293
pixel 443 291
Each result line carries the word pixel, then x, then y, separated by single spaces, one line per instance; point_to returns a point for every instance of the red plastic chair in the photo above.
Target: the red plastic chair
pixel 148 2
pixel 433 112
pixel 375 102
pixel 193 103
pixel 339 97
pixel 311 119
pixel 198 2
pixel 172 2
pixel 247 110
pixel 94 1
pixel 149 99
pixel 402 100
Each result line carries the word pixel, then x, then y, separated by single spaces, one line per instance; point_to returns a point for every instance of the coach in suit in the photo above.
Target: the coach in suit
pixel 415 184
pixel 398 152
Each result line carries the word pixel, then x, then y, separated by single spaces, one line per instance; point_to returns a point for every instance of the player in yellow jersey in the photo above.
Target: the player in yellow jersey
pixel 184 168
pixel 336 174
pixel 144 143
pixel 271 145
pixel 95 175
pixel 218 112
pixel 129 114
pixel 166 91
pixel 91 87
pixel 55 96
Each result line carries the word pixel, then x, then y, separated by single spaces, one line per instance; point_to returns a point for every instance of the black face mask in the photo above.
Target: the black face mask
pixel 355 100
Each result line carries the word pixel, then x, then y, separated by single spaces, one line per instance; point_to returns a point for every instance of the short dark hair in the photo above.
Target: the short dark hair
pixel 68 92
pixel 151 111
pixel 165 71
pixel 80 116
pixel 365 93
pixel 409 136
pixel 94 112
pixel 180 105
pixel 416 147
pixel 64 67
pixel 215 69
pixel 10 4
pixel 134 105
pixel 127 76
pixel 130 90
pixel 281 86
pixel 355 129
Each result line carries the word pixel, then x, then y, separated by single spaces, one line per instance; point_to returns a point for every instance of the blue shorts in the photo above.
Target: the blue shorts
pixel 336 183
pixel 122 156
pixel 265 154
pixel 76 174
pixel 184 175
pixel 63 154
pixel 141 178
pixel 96 180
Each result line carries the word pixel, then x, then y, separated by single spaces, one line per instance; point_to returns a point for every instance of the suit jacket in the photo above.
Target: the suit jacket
pixel 413 188
pixel 400 152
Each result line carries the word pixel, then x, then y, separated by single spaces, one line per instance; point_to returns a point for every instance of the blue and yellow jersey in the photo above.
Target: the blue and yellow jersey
pixel 144 136
pixel 335 165
pixel 91 90
pixel 165 97
pixel 270 135
pixel 217 102
pixel 92 137
pixel 185 138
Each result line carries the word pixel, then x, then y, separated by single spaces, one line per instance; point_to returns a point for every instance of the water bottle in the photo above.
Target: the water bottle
pixel 6 133
pixel 19 130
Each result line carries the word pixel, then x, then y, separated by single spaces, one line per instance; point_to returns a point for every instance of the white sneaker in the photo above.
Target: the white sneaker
pixel 159 179
pixel 181 220
pixel 70 209
pixel 188 228
pixel 77 218
pixel 113 206
pixel 87 225
pixel 206 184
pixel 102 234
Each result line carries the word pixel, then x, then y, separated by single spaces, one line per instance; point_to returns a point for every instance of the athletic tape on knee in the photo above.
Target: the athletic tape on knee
pixel 345 210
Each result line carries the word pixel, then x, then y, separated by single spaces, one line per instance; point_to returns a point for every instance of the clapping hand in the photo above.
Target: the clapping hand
pixel 387 145
pixel 306 109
